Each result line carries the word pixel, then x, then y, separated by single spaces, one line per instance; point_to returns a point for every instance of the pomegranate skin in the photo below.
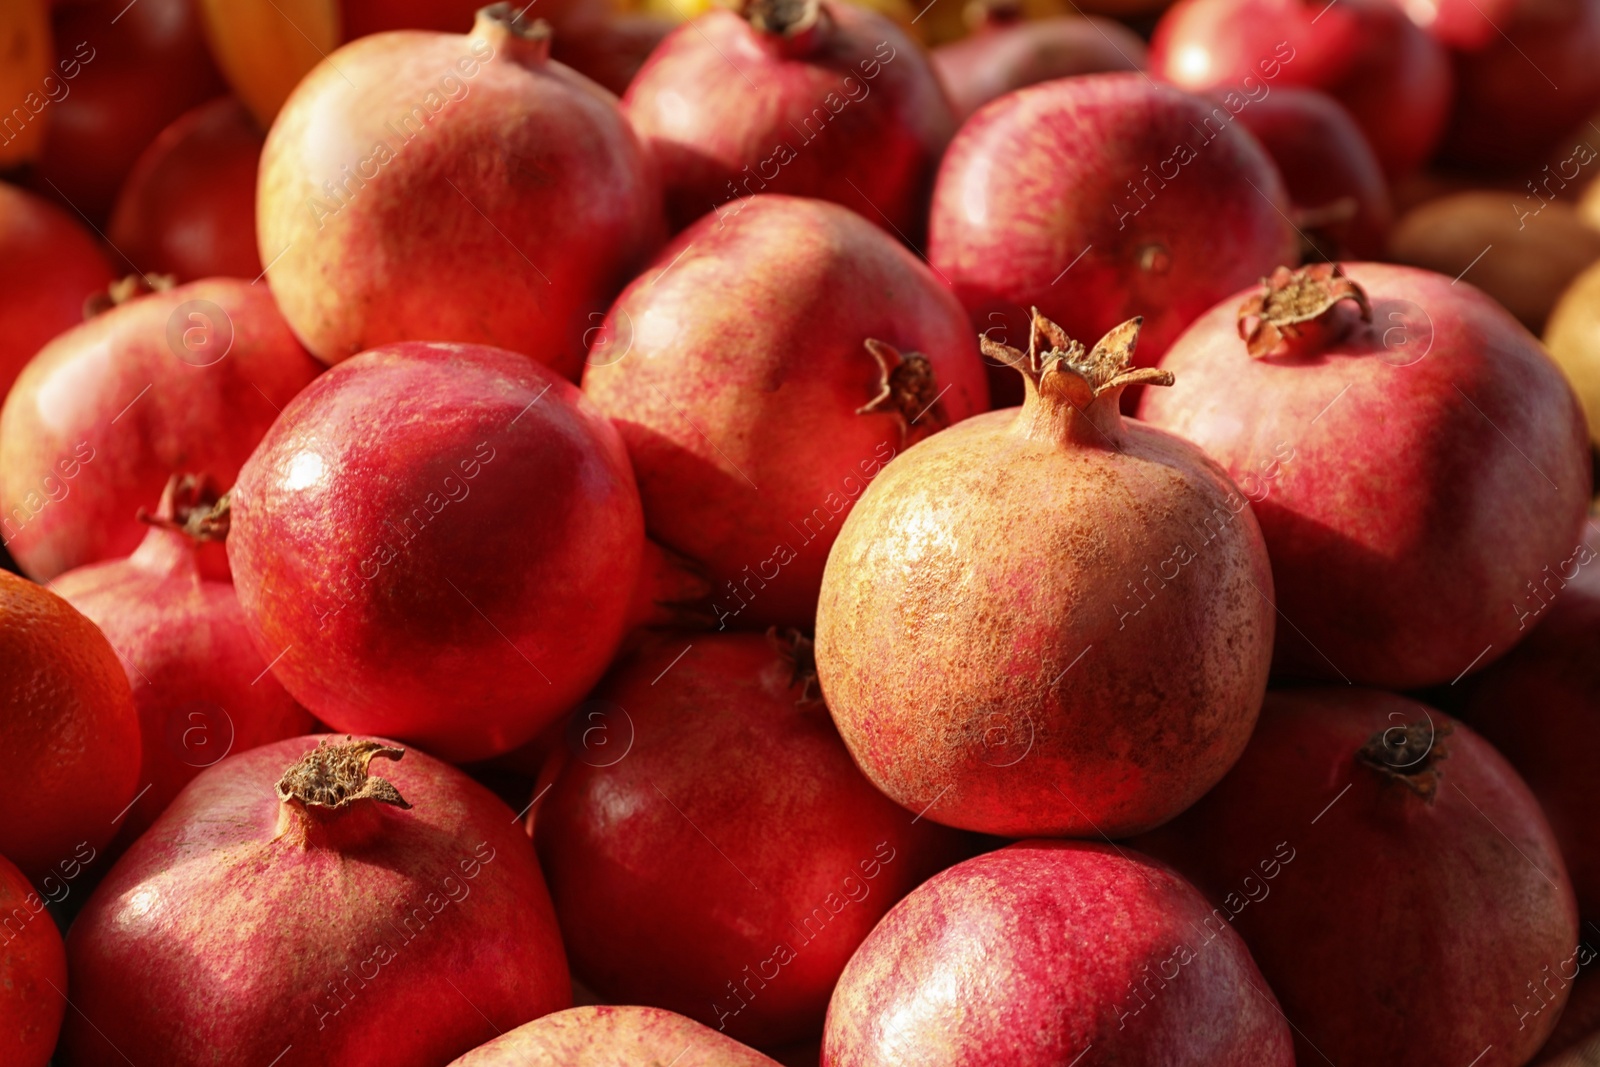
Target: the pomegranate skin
pixel 523 209
pixel 1410 476
pixel 106 413
pixel 33 973
pixel 738 390
pixel 1033 209
pixel 439 541
pixel 444 935
pixel 1115 693
pixel 1033 955
pixel 747 935
pixel 1003 55
pixel 605 1036
pixel 845 109
pixel 610 50
pixel 1400 930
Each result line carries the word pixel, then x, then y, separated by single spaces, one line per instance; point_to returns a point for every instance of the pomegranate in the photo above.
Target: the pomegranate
pixel 1080 713
pixel 1461 24
pixel 69 738
pixel 761 376
pixel 170 612
pixel 1394 78
pixel 33 973
pixel 1099 198
pixel 804 97
pixel 1403 517
pixel 729 859
pixel 448 187
pixel 106 413
pixel 603 1036
pixel 189 206
pixel 444 937
pixel 611 50
pixel 1348 802
pixel 1044 950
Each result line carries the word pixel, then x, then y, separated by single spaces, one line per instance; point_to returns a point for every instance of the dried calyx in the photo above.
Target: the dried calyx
pixel 1410 755
pixel 192 506
pixel 908 391
pixel 1057 367
pixel 518 36
pixel 125 289
pixel 1295 309
pixel 796 649
pixel 786 17
pixel 335 776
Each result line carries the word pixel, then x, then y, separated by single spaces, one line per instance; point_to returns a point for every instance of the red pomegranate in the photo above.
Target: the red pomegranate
pixel 710 847
pixel 1392 876
pixel 1053 952
pixel 803 97
pixel 449 187
pixel 441 542
pixel 33 973
pixel 1134 590
pixel 106 413
pixel 444 933
pixel 1103 197
pixel 201 687
pixel 761 375
pixel 604 1036
pixel 1462 24
pixel 610 50
pixel 188 207
pixel 1394 79
pixel 1413 455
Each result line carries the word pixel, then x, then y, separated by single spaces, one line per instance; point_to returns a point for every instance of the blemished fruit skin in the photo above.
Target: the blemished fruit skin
pixel 452 187
pixel 603 1035
pixel 105 414
pixel 33 973
pixel 1004 54
pixel 727 744
pixel 1054 952
pixel 1393 878
pixel 736 370
pixel 845 109
pixel 1411 474
pixel 438 541
pixel 360 932
pixel 1048 621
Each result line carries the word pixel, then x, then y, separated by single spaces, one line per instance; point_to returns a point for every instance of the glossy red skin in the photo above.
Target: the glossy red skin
pixel 734 814
pixel 477 626
pixel 611 51
pixel 1000 57
pixel 1464 24
pixel 1405 519
pixel 108 412
pixel 1039 178
pixel 1392 77
pixel 1324 158
pixel 605 1036
pixel 48 264
pixel 33 973
pixel 1030 956
pixel 130 80
pixel 213 903
pixel 742 365
pixel 1401 931
pixel 554 205
pixel 188 207
pixel 719 96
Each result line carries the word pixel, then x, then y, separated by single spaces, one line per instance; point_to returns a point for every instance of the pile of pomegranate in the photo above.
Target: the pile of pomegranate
pixel 821 533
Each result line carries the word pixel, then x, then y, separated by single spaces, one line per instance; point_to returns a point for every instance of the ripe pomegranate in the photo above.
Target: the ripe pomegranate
pixel 33 973
pixel 1099 198
pixel 188 207
pixel 1045 950
pixel 605 1036
pixel 727 862
pixel 761 377
pixel 1403 517
pixel 106 413
pixel 803 97
pixel 448 187
pixel 441 542
pixel 611 50
pixel 1347 803
pixel 169 611
pixel 1461 24
pixel 1081 714
pixel 444 935
pixel 1394 79
pixel 69 738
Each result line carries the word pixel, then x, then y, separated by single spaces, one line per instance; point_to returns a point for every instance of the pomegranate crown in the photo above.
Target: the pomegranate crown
pixel 795 648
pixel 908 390
pixel 1057 365
pixel 336 776
pixel 1410 755
pixel 786 17
pixel 191 505
pixel 1272 320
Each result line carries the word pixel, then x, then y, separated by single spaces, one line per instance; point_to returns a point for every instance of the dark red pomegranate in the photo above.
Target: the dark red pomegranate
pixel 1099 198
pixel 605 1036
pixel 33 973
pixel 1054 952
pixel 1413 455
pixel 1392 876
pixel 453 187
pixel 174 381
pixel 188 207
pixel 1394 79
pixel 1463 24
pixel 610 50
pixel 761 374
pixel 1134 590
pixel 803 97
pixel 444 936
